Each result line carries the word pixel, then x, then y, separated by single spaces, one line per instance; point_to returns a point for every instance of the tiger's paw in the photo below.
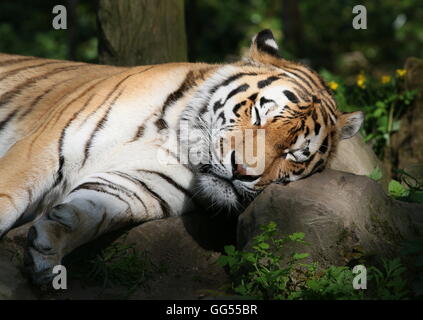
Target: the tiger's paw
pixel 46 242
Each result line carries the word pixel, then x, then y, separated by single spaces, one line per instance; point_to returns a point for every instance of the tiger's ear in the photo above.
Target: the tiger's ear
pixel 349 123
pixel 264 47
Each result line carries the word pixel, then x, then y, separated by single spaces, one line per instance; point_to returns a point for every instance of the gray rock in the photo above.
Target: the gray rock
pixel 355 156
pixel 340 213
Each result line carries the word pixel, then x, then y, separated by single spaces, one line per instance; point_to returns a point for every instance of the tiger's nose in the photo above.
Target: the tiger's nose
pixel 239 171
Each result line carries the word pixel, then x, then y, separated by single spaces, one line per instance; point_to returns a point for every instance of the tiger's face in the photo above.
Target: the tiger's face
pixel 266 120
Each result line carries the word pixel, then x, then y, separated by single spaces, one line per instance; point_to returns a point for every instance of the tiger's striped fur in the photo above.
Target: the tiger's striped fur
pixel 79 143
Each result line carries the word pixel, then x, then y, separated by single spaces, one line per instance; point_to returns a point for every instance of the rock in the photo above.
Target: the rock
pixel 355 156
pixel 340 213
pixel 407 143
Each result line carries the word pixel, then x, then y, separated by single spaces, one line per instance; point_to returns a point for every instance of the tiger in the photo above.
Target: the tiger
pixel 86 149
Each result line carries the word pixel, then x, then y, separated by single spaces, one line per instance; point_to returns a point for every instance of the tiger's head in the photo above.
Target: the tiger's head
pixel 262 120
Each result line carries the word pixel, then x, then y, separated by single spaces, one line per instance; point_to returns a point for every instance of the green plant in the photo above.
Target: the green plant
pixel 376 174
pixel 383 101
pixel 333 283
pixel 390 283
pixel 258 274
pixel 408 188
pixel 118 264
pixel 262 273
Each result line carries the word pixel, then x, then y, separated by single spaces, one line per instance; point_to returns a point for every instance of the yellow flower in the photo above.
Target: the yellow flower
pixel 333 85
pixel 361 80
pixel 385 79
pixel 401 72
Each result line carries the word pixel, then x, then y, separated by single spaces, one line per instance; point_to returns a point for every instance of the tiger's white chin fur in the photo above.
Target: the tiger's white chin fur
pixel 218 191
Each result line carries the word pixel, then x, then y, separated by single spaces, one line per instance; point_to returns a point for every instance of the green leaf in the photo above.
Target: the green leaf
pixel 264 245
pixel 297 236
pixel 299 256
pixel 397 190
pixel 229 250
pixel 376 174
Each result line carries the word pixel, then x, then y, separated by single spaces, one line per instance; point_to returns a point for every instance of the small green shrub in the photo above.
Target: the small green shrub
pixel 383 101
pixel 408 188
pixel 118 264
pixel 262 273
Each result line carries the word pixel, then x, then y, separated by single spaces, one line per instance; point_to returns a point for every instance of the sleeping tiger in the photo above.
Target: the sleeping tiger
pixel 87 149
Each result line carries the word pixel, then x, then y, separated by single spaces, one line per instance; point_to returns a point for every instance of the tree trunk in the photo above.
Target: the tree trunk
pixel 138 32
pixel 292 26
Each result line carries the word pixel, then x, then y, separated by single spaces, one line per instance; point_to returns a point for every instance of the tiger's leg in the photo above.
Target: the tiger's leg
pixel 98 205
pixel 24 178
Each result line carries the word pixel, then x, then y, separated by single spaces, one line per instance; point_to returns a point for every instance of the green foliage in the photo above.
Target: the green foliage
pixel 118 264
pixel 376 174
pixel 397 190
pixel 408 188
pixel 258 273
pixel 26 28
pixel 390 283
pixel 334 283
pixel 263 273
pixel 383 101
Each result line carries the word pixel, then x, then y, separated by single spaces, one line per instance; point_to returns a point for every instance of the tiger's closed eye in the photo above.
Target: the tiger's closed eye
pixel 297 155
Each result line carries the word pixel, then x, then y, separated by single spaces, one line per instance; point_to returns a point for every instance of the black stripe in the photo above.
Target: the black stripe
pixel 253 97
pixel 302 79
pixel 161 124
pixel 103 120
pixel 291 96
pixel 230 80
pixel 217 105
pixel 242 88
pixel 263 101
pixel 59 174
pixel 62 135
pixel 304 90
pixel 170 181
pixel 15 71
pixel 305 74
pixel 139 133
pixel 8 118
pixel 8 95
pixel 237 107
pixel 35 102
pixel 264 83
pixel 163 204
pixel 118 187
pixel 187 84
pixel 317 127
pixel 298 172
pixel 97 187
pixel 257 123
pixel 100 124
pixel 316 166
pixel 324 146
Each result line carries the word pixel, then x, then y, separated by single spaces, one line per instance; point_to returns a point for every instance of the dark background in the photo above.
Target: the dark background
pixel 316 32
